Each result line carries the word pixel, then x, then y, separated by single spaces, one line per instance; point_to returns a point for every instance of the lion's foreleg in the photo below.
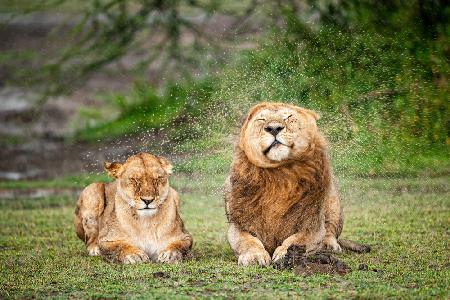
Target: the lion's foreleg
pixel 311 239
pixel 247 248
pixel 333 223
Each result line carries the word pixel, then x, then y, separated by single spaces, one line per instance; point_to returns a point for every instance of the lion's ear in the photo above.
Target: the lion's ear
pixel 113 169
pixel 167 166
pixel 252 111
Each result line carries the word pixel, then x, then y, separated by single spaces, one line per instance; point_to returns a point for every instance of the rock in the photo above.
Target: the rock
pixel 363 267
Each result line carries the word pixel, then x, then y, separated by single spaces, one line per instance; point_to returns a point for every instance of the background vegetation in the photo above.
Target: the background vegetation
pixel 377 72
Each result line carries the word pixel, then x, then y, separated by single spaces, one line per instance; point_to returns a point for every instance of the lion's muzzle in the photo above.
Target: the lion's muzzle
pixel 274 129
pixel 274 143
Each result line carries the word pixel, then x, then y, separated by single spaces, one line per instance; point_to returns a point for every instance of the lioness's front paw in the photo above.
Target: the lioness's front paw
pixel 170 256
pixel 331 243
pixel 261 258
pixel 93 250
pixel 135 257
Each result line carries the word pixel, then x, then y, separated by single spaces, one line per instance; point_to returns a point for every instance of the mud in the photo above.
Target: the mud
pixel 319 263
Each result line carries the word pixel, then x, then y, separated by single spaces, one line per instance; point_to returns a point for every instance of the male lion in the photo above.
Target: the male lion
pixel 134 218
pixel 281 191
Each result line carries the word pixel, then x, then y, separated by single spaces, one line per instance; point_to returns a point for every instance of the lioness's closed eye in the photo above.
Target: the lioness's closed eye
pixel 134 218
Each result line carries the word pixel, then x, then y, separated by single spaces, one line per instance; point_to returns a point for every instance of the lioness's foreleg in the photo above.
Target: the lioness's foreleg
pixel 176 249
pixel 248 248
pixel 119 251
pixel 89 208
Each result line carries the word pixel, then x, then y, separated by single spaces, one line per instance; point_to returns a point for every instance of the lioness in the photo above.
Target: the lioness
pixel 280 190
pixel 134 218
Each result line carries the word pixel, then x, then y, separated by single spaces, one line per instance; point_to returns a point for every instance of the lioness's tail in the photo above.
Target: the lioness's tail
pixel 353 246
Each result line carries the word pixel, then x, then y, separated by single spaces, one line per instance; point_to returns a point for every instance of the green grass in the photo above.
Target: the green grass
pixel 144 108
pixel 404 220
pixel 69 181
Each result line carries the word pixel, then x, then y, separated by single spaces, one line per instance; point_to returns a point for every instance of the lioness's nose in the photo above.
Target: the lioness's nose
pixel 274 129
pixel 147 201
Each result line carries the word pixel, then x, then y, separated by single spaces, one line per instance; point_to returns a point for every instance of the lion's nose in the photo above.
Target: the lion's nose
pixel 147 201
pixel 274 129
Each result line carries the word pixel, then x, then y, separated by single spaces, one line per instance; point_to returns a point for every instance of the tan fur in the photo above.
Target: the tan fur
pixel 113 221
pixel 281 195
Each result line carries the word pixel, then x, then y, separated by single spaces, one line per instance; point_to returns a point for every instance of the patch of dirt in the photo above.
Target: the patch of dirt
pixel 319 263
pixel 160 275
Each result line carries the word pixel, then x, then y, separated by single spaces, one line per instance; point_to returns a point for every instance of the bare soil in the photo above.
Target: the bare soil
pixel 321 263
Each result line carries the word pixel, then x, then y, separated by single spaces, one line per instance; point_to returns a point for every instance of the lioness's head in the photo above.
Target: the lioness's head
pixel 142 181
pixel 275 133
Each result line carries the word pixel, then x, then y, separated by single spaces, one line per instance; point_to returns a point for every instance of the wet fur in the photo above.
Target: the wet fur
pixel 272 205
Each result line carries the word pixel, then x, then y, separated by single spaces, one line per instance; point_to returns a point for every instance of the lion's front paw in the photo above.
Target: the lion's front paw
pixel 135 257
pixel 93 250
pixel 261 258
pixel 170 256
pixel 331 243
pixel 279 254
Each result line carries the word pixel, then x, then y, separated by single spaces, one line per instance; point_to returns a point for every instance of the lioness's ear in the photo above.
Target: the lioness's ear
pixel 113 169
pixel 167 166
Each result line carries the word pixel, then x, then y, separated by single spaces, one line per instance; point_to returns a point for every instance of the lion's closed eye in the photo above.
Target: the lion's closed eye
pixel 287 118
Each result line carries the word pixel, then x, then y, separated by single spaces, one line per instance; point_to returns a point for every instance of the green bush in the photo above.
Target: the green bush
pixel 379 104
pixel 144 109
pixel 379 81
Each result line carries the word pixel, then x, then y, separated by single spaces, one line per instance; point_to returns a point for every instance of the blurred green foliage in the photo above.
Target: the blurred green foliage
pixel 104 32
pixel 376 71
pixel 381 76
pixel 144 109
